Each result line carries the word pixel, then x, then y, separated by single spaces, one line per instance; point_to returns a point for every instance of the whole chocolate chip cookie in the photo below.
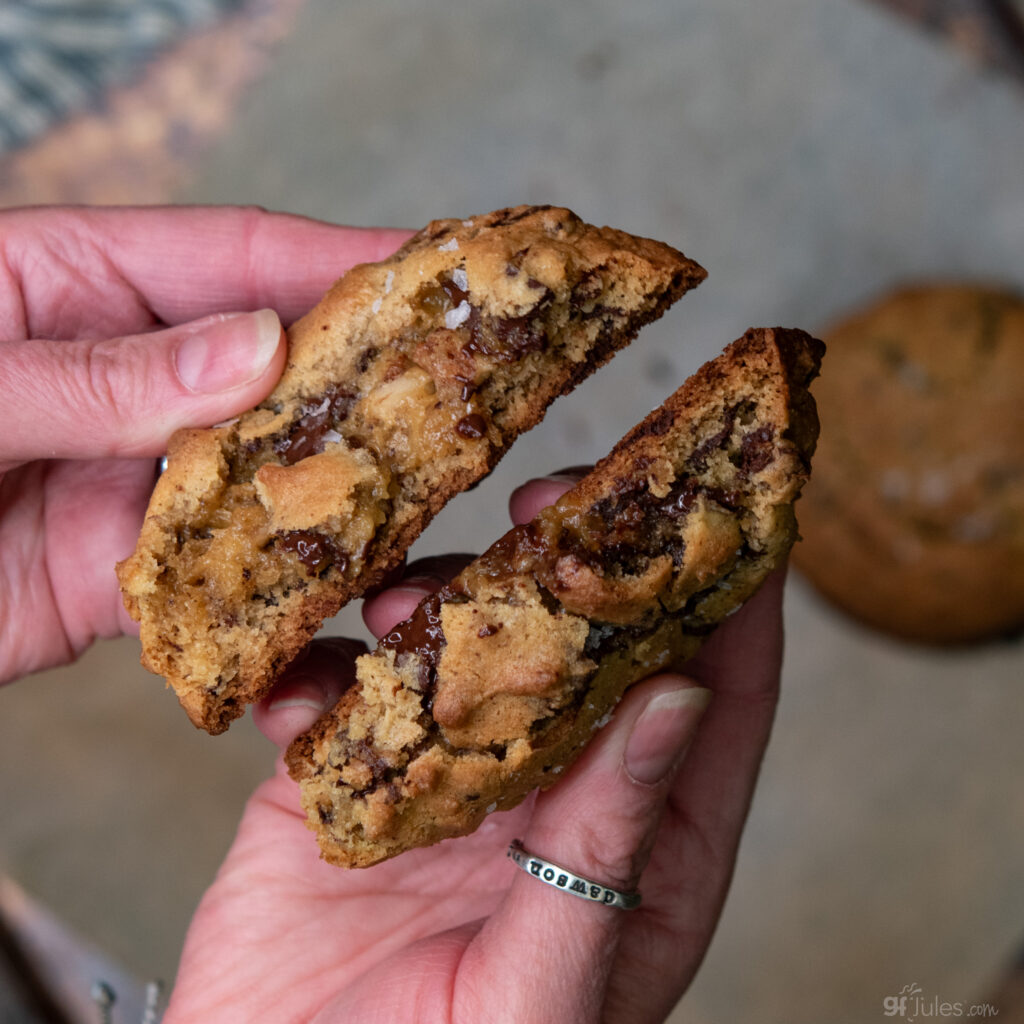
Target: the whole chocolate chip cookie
pixel 404 386
pixel 915 521
pixel 497 682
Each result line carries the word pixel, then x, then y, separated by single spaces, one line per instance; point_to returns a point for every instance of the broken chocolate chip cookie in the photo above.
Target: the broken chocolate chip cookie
pixel 497 682
pixel 404 386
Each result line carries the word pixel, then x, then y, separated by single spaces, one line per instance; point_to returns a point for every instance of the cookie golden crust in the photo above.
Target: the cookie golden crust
pixel 914 523
pixel 496 683
pixel 404 386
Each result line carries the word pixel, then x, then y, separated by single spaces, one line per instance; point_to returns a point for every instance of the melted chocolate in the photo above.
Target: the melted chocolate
pixel 624 530
pixel 757 450
pixel 423 635
pixel 456 295
pixel 508 339
pixel 472 426
pixel 518 551
pixel 315 551
pixel 468 387
pixel 305 436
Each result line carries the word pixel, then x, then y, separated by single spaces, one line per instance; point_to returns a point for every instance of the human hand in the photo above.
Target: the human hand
pixel 454 933
pixel 115 330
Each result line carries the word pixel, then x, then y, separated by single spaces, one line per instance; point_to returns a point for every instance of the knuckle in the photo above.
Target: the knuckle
pixel 110 398
pixel 253 222
pixel 100 379
pixel 608 851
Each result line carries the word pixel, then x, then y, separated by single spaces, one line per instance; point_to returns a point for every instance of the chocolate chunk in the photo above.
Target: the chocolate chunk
pixel 699 459
pixel 421 634
pixel 757 450
pixel 680 499
pixel 586 291
pixel 456 295
pixel 379 766
pixel 315 551
pixel 522 334
pixel 472 426
pixel 508 339
pixel 625 529
pixel 305 436
pixel 583 298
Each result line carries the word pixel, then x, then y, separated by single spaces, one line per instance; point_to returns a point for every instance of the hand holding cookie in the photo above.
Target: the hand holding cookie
pixel 452 931
pixel 117 336
pixel 113 334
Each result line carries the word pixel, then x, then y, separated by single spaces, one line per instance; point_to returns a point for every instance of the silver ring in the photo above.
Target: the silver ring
pixel 562 878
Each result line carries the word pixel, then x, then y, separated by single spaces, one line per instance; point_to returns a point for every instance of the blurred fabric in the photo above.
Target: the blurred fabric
pixel 57 57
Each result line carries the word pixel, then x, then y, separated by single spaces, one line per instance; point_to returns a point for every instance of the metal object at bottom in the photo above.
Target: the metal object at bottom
pixel 561 878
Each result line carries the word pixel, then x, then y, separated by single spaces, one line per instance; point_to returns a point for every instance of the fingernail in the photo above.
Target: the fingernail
pixel 226 352
pixel 566 476
pixel 302 692
pixel 662 733
pixel 421 584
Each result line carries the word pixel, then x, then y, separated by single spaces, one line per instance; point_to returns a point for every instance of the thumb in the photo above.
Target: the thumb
pixel 312 684
pixel 600 822
pixel 126 396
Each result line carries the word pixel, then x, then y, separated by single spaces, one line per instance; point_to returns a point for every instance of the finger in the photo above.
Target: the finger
pixel 311 685
pixel 385 609
pixel 599 822
pixel 125 396
pixel 750 667
pixel 741 663
pixel 527 500
pixel 183 263
pixel 692 861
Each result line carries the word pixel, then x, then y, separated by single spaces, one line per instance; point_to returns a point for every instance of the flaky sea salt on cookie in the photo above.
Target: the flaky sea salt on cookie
pixel 404 386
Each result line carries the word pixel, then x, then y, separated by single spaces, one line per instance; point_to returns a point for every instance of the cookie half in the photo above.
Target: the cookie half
pixel 497 682
pixel 404 386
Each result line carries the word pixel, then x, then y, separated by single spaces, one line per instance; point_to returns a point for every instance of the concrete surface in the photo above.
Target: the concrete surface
pixel 808 153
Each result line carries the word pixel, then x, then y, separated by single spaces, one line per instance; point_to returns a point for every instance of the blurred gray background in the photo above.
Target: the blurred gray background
pixel 809 153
